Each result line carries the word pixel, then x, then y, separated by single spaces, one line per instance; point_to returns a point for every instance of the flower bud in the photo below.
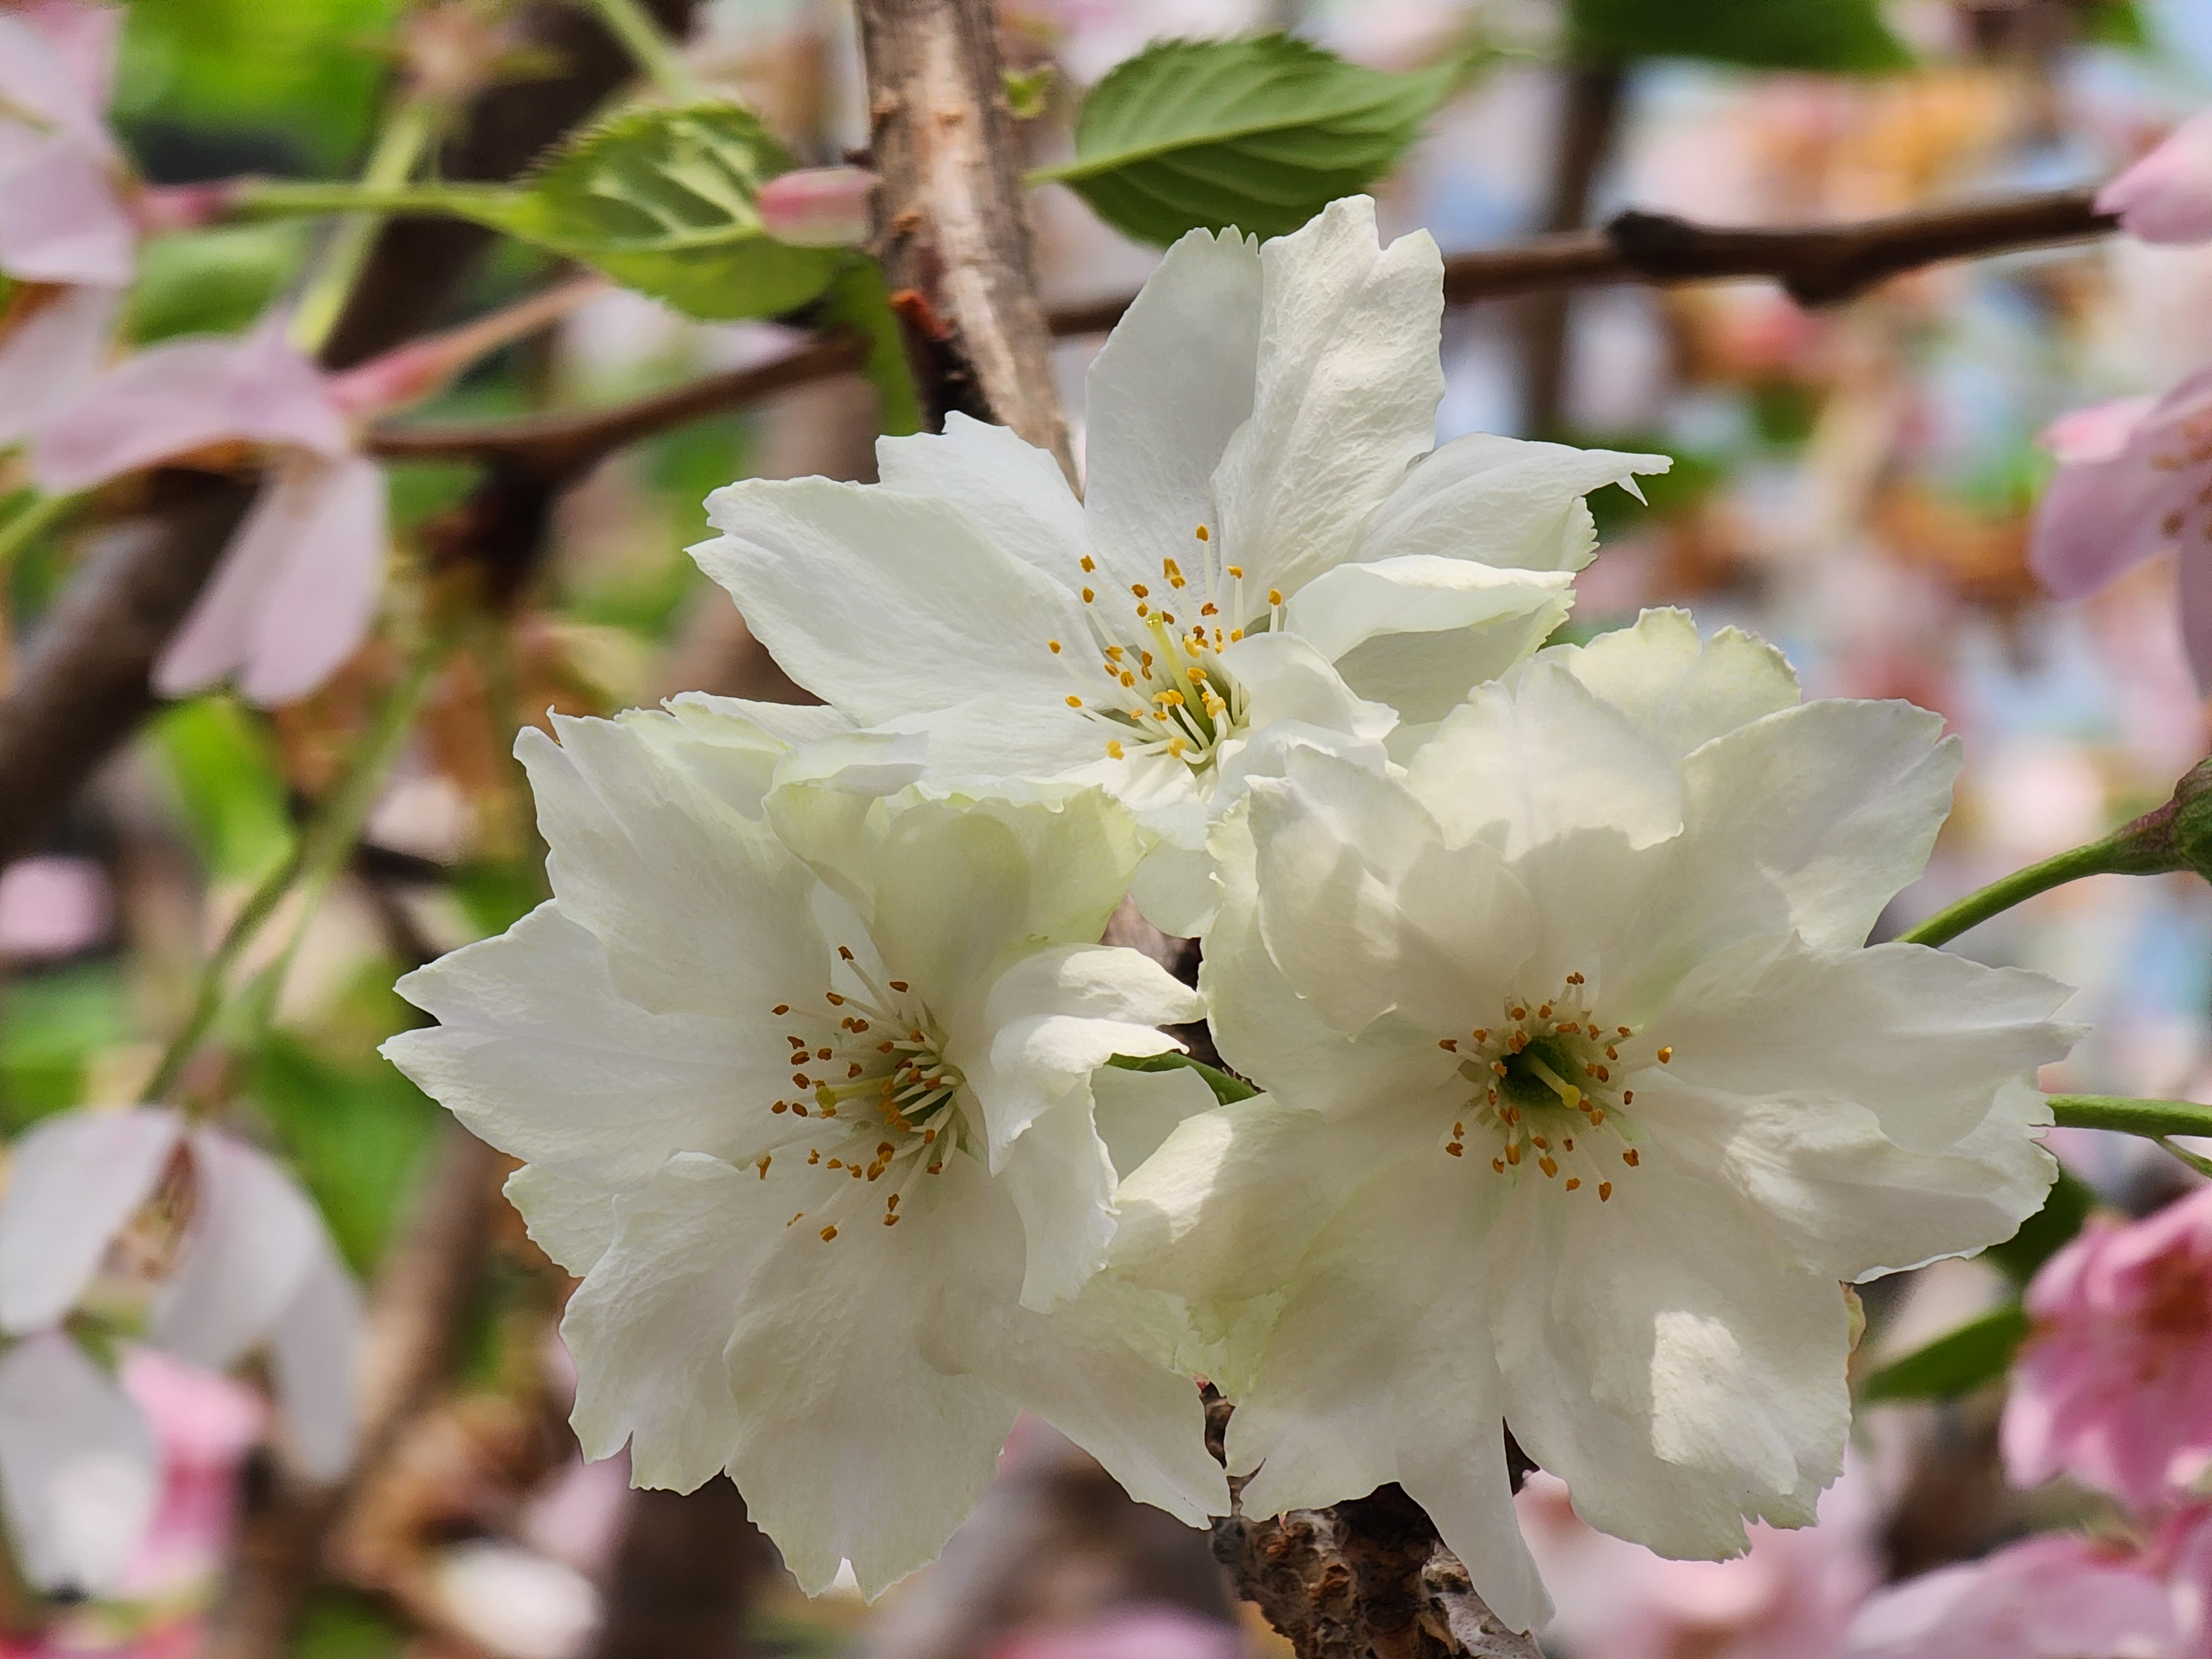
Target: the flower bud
pixel 2175 836
pixel 2166 197
pixel 819 207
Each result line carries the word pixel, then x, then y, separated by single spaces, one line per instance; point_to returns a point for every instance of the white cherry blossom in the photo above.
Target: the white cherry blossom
pixel 1585 1094
pixel 801 1063
pixel 1270 549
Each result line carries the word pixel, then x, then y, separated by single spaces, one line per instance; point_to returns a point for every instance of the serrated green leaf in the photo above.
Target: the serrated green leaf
pixel 1843 37
pixel 1226 1089
pixel 1261 133
pixel 663 201
pixel 1977 1352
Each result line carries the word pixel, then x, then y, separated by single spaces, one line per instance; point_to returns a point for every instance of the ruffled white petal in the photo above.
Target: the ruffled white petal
pixel 1501 502
pixel 1536 756
pixel 1678 690
pixel 1921 1039
pixel 1172 384
pixel 700 911
pixel 1013 492
pixel 73 1181
pixel 538 1052
pixel 887 605
pixel 1812 818
pixel 1135 1111
pixel 1663 1364
pixel 572 1221
pixel 1345 396
pixel 79 1470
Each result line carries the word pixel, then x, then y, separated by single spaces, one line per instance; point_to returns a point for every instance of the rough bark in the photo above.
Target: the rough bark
pixel 953 227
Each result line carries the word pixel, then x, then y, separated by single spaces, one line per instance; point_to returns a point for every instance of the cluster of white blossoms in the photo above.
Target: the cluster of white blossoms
pixel 1583 1096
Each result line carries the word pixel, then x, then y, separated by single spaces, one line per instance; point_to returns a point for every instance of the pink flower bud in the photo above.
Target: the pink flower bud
pixel 2166 197
pixel 819 207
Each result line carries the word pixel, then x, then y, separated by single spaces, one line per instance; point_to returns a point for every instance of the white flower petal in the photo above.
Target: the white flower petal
pixel 1172 384
pixel 1663 1365
pixel 1921 1039
pixel 1535 756
pixel 1061 1182
pixel 1835 1196
pixel 73 1181
pixel 1503 501
pixel 1812 818
pixel 700 910
pixel 887 604
pixel 253 1239
pixel 858 1440
pixel 1677 689
pixel 649 1325
pixel 1346 392
pixel 79 1470
pixel 1427 629
pixel 539 1054
pixel 1135 1111
pixel 1013 492
pixel 1053 1017
pixel 572 1221
pixel 314 1352
pixel 1289 683
pixel 1366 911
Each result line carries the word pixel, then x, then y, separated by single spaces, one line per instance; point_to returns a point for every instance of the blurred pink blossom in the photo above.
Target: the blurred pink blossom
pixel 1139 1631
pixel 195 1236
pixel 819 207
pixel 2132 482
pixel 1789 1596
pixel 204 1424
pixel 2114 1385
pixel 67 231
pixel 296 590
pixel 53 907
pixel 2055 1596
pixel 2166 197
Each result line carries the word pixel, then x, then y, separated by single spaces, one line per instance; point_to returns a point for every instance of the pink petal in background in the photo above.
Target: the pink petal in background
pixel 2166 197
pixel 186 396
pixel 2114 1385
pixel 53 906
pixel 2126 488
pixel 2051 1597
pixel 49 353
pixel 294 593
pixel 62 219
pixel 58 66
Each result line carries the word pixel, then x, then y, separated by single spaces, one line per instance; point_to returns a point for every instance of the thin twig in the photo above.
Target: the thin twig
pixel 1818 265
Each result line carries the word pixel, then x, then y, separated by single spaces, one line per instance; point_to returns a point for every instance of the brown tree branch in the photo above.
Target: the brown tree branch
pixel 1590 116
pixel 1817 265
pixel 953 224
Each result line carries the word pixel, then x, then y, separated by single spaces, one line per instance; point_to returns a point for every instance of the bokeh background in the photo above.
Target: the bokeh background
pixel 1857 484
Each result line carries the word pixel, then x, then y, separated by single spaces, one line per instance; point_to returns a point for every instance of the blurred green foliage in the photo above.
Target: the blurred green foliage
pixel 1836 36
pixel 306 71
pixel 51 1025
pixel 215 281
pixel 229 788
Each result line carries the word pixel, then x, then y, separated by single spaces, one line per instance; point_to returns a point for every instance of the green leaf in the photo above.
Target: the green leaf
pixel 662 200
pixel 1259 133
pixel 213 281
pixel 357 1135
pixel 2044 1234
pixel 1226 1089
pixel 1844 37
pixel 52 1027
pixel 228 785
pixel 859 300
pixel 1977 1352
pixel 2115 23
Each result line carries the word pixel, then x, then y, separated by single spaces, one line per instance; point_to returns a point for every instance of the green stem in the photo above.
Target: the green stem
pixel 32 521
pixel 316 856
pixel 406 136
pixel 642 38
pixel 2110 856
pixel 2153 1119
